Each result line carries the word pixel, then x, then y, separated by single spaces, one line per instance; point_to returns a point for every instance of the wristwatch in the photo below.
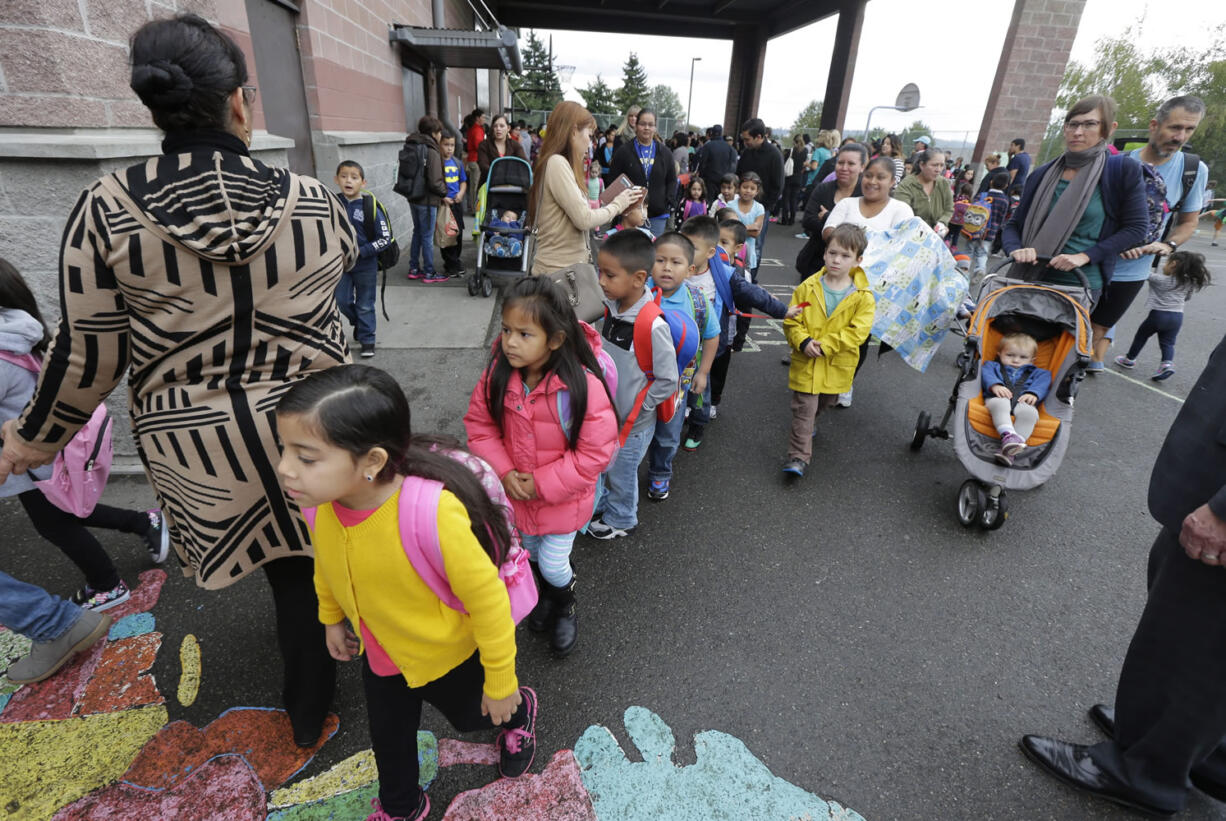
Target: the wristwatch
pixel 1174 245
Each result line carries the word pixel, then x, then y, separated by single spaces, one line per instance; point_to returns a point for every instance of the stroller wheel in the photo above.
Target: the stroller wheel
pixel 921 430
pixel 487 286
pixel 474 283
pixel 993 515
pixel 971 499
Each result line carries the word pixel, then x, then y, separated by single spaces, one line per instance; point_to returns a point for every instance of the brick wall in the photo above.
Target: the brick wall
pixel 1032 64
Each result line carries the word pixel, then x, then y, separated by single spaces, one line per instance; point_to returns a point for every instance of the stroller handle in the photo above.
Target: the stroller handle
pixel 1085 282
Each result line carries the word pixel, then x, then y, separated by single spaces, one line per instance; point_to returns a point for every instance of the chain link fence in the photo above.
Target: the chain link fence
pixel 664 125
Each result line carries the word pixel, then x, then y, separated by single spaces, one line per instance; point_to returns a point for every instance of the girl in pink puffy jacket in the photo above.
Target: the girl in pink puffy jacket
pixel 542 416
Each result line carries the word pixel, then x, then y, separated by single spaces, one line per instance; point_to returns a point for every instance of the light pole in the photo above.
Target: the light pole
pixel 690 99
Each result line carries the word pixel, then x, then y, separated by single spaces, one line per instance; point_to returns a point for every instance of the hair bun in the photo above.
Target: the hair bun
pixel 161 84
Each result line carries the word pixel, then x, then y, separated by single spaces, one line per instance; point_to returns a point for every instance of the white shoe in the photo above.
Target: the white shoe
pixel 714 412
pixel 844 400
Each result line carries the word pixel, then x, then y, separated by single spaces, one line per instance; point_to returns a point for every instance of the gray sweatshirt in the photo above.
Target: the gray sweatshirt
pixel 617 329
pixel 19 333
pixel 1166 294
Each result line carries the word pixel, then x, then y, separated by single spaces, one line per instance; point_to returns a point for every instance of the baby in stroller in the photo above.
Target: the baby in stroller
pixel 504 246
pixel 1013 387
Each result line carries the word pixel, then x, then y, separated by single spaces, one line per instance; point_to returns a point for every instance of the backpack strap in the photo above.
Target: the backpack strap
pixel 419 500
pixel 368 215
pixel 643 356
pixel 310 514
pixel 1191 166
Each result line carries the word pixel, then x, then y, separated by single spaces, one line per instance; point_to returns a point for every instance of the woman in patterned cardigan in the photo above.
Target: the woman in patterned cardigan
pixel 206 278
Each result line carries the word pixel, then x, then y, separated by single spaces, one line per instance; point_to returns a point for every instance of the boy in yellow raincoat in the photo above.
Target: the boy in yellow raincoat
pixel 837 315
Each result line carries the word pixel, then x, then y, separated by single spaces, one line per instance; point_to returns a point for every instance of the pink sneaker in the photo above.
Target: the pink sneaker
pixel 1011 444
pixel 423 810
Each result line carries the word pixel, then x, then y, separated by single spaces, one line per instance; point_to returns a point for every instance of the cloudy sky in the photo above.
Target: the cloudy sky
pixel 954 82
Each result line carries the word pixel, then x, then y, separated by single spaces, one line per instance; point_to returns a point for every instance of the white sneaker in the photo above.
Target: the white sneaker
pixel 714 412
pixel 844 400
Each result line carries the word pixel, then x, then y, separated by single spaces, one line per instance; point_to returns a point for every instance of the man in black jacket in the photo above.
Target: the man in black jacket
pixel 715 159
pixel 648 163
pixel 1169 719
pixel 761 157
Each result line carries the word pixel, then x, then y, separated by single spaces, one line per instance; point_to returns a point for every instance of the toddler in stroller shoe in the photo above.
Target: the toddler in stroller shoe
pixel 1012 389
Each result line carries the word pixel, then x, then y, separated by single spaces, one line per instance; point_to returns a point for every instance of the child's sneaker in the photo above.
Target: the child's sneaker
pixel 714 412
pixel 433 277
pixel 157 537
pixel 517 748
pixel 1003 459
pixel 597 529
pixel 1165 371
pixel 421 813
pixel 658 490
pixel 87 598
pixel 691 443
pixel 414 274
pixel 844 400
pixel 1011 444
pixel 794 467
pixel 1096 367
pixel 1125 362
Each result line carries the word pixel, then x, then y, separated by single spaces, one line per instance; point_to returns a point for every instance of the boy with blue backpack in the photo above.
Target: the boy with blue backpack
pixel 731 294
pixel 639 340
pixel 996 204
pixel 355 294
pixel 674 265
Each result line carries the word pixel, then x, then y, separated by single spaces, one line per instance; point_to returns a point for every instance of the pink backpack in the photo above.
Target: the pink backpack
pixel 80 471
pixel 419 536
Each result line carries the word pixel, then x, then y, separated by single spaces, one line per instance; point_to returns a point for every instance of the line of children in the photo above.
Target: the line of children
pixel 1169 288
pixel 624 263
pixel 674 264
pixel 355 293
pixel 348 455
pixel 542 416
pixel 456 181
pixel 23 343
pixel 825 337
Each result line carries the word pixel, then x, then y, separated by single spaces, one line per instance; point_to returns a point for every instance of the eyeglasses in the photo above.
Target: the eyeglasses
pixel 1082 125
pixel 249 93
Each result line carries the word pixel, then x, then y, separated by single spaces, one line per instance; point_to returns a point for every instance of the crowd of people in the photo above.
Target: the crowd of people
pixel 269 451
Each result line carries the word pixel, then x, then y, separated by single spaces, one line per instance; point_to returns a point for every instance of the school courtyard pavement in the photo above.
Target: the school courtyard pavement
pixel 838 648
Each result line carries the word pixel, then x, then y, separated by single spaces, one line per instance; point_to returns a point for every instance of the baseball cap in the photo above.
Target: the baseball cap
pixel 926 140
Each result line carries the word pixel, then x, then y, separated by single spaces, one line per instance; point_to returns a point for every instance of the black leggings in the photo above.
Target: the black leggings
pixel 719 375
pixel 69 534
pixel 394 711
pixel 309 671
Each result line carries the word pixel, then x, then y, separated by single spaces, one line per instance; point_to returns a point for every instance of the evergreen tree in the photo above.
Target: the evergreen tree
pixel 809 119
pixel 667 105
pixel 538 87
pixel 599 98
pixel 634 90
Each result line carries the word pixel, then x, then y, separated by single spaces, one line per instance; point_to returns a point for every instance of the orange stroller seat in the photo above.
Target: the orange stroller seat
pixel 1050 354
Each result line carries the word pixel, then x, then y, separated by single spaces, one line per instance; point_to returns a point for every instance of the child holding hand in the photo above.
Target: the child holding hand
pixel 347 455
pixel 543 417
pixel 837 316
pixel 1013 387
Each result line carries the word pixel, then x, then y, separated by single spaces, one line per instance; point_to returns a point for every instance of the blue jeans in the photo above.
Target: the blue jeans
pixel 620 505
pixel 979 256
pixel 422 244
pixel 33 612
pixel 355 297
pixel 664 446
pixel 1166 325
pixel 658 225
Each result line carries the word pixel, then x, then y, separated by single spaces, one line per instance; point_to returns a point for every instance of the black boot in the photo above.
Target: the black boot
pixel 566 621
pixel 542 615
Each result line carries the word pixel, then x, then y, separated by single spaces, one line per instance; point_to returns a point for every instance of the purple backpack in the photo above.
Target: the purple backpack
pixel 79 474
pixel 418 517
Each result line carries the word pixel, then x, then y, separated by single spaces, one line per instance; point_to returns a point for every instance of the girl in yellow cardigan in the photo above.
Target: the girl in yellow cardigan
pixel 836 317
pixel 346 450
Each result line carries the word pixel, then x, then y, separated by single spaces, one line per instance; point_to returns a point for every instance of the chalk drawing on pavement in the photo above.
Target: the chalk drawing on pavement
pixel 189 676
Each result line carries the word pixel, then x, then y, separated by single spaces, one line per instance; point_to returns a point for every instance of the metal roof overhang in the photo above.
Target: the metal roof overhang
pixel 687 18
pixel 458 48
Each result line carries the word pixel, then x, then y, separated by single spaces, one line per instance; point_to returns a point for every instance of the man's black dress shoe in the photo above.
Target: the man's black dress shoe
pixel 1104 718
pixel 1071 763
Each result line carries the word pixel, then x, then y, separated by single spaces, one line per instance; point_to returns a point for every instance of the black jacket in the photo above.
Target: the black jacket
pixel 767 163
pixel 1191 467
pixel 661 188
pixel 715 159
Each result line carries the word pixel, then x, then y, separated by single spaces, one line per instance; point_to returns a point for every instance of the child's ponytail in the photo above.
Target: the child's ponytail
pixel 545 304
pixel 1190 269
pixel 358 408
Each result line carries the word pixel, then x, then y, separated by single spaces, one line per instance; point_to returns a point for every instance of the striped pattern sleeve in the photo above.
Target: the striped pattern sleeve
pixel 89 353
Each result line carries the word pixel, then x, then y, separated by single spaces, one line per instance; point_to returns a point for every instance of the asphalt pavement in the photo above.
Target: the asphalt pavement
pixel 861 643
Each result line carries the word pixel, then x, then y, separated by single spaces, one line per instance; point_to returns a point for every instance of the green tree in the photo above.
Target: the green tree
pixel 634 90
pixel 599 97
pixel 667 104
pixel 912 133
pixel 538 87
pixel 809 119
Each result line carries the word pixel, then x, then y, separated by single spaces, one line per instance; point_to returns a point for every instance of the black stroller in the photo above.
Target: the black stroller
pixel 504 247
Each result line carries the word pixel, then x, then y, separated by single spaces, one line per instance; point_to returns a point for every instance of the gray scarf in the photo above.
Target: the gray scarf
pixel 1048 227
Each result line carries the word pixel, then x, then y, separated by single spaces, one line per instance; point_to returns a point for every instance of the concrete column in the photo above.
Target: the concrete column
pixel 744 76
pixel 842 65
pixel 1028 76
